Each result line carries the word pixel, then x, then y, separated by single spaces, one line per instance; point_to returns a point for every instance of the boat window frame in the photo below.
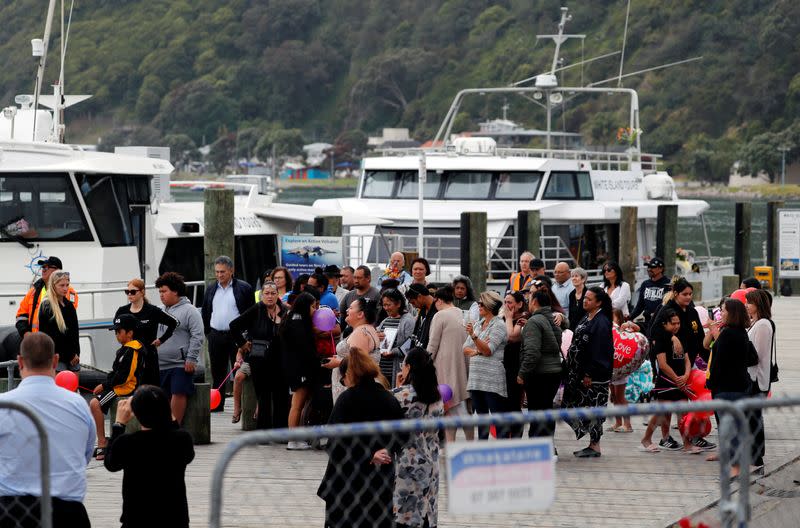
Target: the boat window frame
pixel 445 176
pixel 578 196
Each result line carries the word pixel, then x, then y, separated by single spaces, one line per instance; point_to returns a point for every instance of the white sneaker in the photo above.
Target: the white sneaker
pixel 298 446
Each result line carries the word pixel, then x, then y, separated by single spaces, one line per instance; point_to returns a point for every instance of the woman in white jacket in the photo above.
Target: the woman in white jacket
pixel 762 335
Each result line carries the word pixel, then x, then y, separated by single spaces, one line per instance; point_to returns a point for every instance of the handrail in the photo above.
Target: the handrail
pixel 102 290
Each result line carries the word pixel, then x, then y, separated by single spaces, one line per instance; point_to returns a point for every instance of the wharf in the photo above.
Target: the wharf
pixel 270 486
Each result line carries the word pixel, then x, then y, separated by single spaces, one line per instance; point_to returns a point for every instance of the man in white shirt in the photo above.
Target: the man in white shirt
pixel 70 435
pixel 562 285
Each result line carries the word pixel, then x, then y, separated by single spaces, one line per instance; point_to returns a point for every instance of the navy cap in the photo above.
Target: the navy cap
pixel 655 262
pixel 125 322
pixel 53 262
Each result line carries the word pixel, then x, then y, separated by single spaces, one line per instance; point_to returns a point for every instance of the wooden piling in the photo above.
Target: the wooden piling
pixel 218 228
pixel 249 405
pixel 730 283
pixel 667 236
pixel 529 232
pixel 474 249
pixel 628 244
pixel 773 236
pixel 328 226
pixel 741 242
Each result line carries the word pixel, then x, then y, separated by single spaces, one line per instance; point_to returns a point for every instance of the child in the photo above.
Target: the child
pixel 123 379
pixel 670 381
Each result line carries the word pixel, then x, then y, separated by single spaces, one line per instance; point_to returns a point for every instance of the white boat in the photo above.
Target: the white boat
pixel 578 192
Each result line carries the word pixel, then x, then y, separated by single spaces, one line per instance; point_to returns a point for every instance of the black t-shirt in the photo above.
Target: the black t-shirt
pixel 675 360
pixel 149 318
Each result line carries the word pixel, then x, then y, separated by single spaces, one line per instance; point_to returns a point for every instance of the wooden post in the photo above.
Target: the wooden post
pixel 218 240
pixel 474 249
pixel 612 241
pixel 328 226
pixel 730 283
pixel 772 241
pixel 697 292
pixel 529 233
pixel 197 418
pixel 408 257
pixel 741 239
pixel 667 236
pixel 628 243
pixel 249 404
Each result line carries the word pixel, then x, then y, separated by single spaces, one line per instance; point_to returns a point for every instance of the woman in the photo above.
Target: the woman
pixel 484 348
pixel 153 460
pixel 590 363
pixel 578 277
pixel 397 317
pixel 298 287
pixel 728 378
pixel 420 269
pixel 150 317
pixel 282 279
pixel 59 320
pixel 762 335
pixel 464 298
pixel 515 317
pixel 360 316
pixel 616 287
pixel 540 368
pixel 543 283
pixel 416 492
pixel 358 485
pixel 299 354
pixel 255 333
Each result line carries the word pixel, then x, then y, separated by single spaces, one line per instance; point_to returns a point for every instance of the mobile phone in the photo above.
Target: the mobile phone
pixel 324 361
pixel 711 313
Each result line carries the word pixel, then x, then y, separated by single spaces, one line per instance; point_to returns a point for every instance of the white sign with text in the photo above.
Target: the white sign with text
pixel 789 242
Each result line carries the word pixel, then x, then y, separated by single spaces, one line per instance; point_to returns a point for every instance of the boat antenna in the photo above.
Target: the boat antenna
pixel 42 61
pixel 654 68
pixel 624 41
pixel 560 38
pixel 567 67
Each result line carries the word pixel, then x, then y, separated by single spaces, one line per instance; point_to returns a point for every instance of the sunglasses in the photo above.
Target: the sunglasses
pixel 481 304
pixel 131 292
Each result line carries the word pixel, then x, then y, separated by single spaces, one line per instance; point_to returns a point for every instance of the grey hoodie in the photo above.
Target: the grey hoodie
pixel 186 341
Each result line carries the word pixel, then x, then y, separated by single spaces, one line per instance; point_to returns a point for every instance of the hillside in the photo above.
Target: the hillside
pixel 282 72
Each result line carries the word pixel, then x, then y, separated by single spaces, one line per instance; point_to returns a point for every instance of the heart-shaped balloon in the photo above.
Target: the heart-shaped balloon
pixel 630 351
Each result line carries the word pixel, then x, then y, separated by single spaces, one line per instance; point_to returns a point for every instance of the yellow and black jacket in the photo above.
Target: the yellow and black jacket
pixel 126 372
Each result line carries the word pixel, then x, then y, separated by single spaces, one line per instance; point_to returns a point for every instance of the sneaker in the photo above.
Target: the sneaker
pixel 298 446
pixel 704 444
pixel 670 443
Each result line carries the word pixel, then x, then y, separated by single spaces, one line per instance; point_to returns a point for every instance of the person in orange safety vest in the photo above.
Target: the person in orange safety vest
pixel 28 312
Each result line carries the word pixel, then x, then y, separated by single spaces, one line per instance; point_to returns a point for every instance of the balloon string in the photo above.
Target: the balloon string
pixel 85 388
pixel 226 377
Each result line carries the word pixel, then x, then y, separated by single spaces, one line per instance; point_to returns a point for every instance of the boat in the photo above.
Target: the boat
pixel 577 191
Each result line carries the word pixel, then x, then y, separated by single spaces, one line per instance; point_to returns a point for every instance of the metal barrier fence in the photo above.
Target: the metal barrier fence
pixel 257 483
pixel 26 511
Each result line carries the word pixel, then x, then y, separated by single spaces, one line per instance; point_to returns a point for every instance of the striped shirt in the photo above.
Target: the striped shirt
pixel 486 373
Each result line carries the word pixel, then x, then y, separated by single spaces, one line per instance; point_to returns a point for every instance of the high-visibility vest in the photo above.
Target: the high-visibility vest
pixel 515 283
pixel 30 313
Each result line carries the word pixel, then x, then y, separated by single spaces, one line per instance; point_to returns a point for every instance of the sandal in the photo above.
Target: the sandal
pixel 624 429
pixel 236 417
pixel 651 448
pixel 99 453
pixel 712 458
pixel 693 451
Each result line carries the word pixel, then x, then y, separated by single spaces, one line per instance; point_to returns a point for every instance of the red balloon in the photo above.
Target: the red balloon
pixel 697 382
pixel 703 396
pixel 739 295
pixel 68 380
pixel 693 426
pixel 216 398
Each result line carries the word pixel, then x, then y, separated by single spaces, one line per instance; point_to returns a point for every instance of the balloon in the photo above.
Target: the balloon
pixel 697 382
pixel 216 398
pixel 702 313
pixel 566 341
pixel 703 396
pixel 739 295
pixel 68 380
pixel 630 351
pixel 446 392
pixel 694 426
pixel 324 319
pixel 493 431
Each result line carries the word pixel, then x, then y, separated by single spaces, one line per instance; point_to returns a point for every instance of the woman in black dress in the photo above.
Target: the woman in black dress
pixel 59 320
pixel 576 312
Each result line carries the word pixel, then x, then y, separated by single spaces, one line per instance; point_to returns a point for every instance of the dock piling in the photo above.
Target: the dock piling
pixel 474 248
pixel 667 236
pixel 741 241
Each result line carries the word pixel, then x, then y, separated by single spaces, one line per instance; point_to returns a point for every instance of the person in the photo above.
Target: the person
pixel 59 320
pixel 151 318
pixel 464 298
pixel 651 293
pixel 562 285
pixel 616 287
pixel 762 334
pixel 540 360
pixel 670 380
pixel 298 287
pixel 622 424
pixel 28 312
pixel 358 485
pixel 538 268
pixel 416 490
pixel 179 357
pixel 125 376
pixel 224 300
pixel 576 312
pixel 750 282
pixel 299 358
pixel 394 270
pixel 334 274
pixel 320 281
pixel 397 317
pixel 153 461
pixel 590 363
pixel 445 345
pixel 361 288
pixel 484 348
pixel 420 270
pixel 346 281
pixel 282 278
pixel 360 317
pixel 520 280
pixel 515 316
pixel 255 333
pixel 421 299
pixel 728 378
pixel 70 434
pixel 543 283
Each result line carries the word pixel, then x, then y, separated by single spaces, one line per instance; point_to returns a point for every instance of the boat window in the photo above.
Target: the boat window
pixel 378 184
pixel 40 207
pixel 585 186
pixel 569 186
pixel 109 200
pixel 468 185
pixel 517 185
pixel 409 186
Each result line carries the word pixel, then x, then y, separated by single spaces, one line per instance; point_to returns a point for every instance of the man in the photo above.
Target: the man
pixel 395 270
pixel 537 267
pixel 223 302
pixel 334 274
pixel 421 299
pixel 178 357
pixel 28 312
pixel 521 281
pixel 70 434
pixel 347 281
pixel 562 286
pixel 651 293
pixel 361 288
pixel 326 297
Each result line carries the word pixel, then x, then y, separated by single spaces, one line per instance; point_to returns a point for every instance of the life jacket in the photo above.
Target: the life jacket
pixel 517 284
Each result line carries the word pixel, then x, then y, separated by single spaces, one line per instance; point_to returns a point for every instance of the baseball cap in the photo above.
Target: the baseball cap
pixel 125 322
pixel 53 262
pixel 655 262
pixel 332 270
pixel 417 289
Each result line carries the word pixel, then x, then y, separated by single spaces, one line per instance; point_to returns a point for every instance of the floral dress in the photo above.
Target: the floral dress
pixel 417 483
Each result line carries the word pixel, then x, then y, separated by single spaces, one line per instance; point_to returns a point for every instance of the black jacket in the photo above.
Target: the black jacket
pixel 243 293
pixel 594 342
pixel 298 352
pixel 254 323
pixel 729 362
pixel 576 311
pixel 126 372
pixel 67 343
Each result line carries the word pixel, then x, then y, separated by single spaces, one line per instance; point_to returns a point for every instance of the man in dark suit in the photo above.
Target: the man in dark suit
pixel 223 302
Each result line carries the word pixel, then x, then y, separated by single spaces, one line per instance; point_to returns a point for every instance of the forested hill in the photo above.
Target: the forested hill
pixel 203 68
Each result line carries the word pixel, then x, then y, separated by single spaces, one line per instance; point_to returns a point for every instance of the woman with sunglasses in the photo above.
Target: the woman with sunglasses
pixel 616 287
pixel 150 317
pixel 58 319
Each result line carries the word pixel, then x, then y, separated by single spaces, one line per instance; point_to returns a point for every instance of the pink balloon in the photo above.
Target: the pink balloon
pixel 566 341
pixel 216 398
pixel 68 380
pixel 702 313
pixel 324 319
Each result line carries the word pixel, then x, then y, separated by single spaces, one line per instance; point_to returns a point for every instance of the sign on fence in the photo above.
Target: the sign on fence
pixel 507 476
pixel 789 242
pixel 301 254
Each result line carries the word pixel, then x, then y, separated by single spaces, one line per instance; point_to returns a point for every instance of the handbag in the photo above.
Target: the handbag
pixel 773 363
pixel 259 349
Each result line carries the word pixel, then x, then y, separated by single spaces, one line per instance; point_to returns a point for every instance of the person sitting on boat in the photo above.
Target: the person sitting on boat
pixel 395 270
pixel 529 267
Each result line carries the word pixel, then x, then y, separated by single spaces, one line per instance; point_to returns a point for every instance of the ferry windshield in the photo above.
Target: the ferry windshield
pixel 409 186
pixel 40 207
pixel 452 185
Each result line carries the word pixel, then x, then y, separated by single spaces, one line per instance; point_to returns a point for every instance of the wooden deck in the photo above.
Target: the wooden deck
pixel 269 486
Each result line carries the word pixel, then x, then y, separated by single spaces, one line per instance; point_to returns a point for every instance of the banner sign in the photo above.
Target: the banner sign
pixel 507 476
pixel 789 243
pixel 301 254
